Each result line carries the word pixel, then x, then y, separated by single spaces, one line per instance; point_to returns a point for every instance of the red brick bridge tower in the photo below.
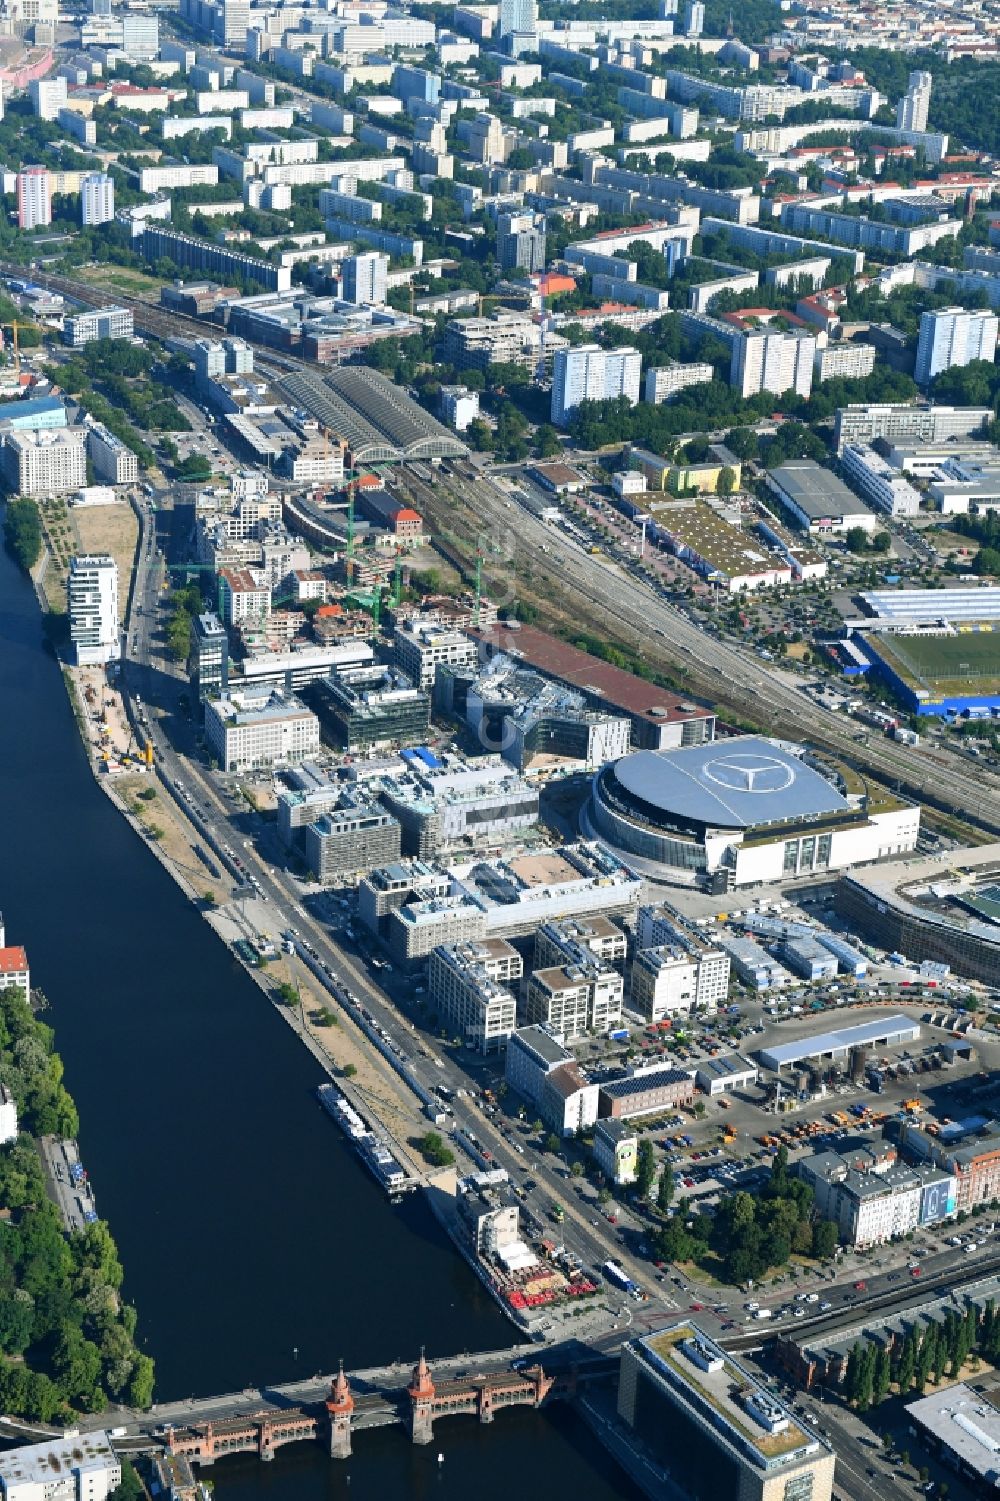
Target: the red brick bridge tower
pixel 421 1393
pixel 339 1407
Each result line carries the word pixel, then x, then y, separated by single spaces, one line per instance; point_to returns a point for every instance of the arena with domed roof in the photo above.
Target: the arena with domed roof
pixel 742 811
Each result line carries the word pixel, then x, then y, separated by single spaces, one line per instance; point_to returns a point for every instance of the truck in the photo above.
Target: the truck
pixel 619 1277
pixel 620 1034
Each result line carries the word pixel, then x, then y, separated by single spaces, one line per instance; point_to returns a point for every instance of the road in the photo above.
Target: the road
pixel 721 672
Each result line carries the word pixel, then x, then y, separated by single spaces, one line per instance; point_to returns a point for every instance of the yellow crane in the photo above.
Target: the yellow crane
pixel 17 353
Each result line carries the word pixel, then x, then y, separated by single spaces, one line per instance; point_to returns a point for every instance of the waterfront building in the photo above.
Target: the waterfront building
pixel 99 323
pixel 259 728
pixel 469 985
pixel 45 463
pixel 713 1426
pixel 93 608
pixel 61 1469
pixel 14 971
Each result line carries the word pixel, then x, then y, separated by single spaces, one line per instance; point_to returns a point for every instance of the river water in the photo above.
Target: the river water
pixel 255 1246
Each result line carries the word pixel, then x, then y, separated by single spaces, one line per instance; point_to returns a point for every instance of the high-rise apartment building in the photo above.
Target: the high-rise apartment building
pixel 518 16
pixel 694 18
pixel 97 198
pixel 34 197
pixel 93 608
pixel 953 336
pixel 768 359
pixel 521 241
pixel 589 373
pixel 48 96
pixel 364 278
pixel 49 462
pixel 914 107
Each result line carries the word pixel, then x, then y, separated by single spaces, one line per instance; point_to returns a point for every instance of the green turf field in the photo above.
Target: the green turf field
pixel 945 664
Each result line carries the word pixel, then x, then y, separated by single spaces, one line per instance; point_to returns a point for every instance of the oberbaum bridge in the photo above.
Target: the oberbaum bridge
pixel 333 1410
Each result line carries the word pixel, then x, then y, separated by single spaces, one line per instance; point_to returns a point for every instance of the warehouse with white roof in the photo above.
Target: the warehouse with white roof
pixel 886 1031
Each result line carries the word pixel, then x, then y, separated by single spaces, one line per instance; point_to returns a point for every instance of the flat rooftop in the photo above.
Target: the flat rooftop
pixel 888 1030
pixel 742 1409
pixel 816 491
pixel 965 1421
pixel 547 868
pixel 914 606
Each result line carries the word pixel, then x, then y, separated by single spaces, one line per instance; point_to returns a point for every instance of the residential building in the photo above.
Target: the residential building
pixel 48 96
pixel 517 16
pixel 420 649
pixel 568 1101
pixel 896 422
pixel 101 323
pixel 616 1151
pixel 414 931
pixel 459 406
pixel 714 1427
pixel 912 110
pixel 648 1090
pixel 521 241
pixel 665 381
pixel 245 595
pixel 210 657
pixel 34 197
pixel 204 256
pixel 97 198
pixel 70 1468
pixel 879 483
pixel 364 278
pixel 555 942
pixel 667 981
pixel 532 1053
pixel 45 463
pixel 694 18
pixel 8 1111
pixel 769 359
pixel 92 589
pixel 575 998
pixel 259 727
pixel 114 462
pixel 354 837
pixel 871 1203
pixel 843 361
pixel 14 970
pixel 954 336
pixel 590 373
pixel 469 985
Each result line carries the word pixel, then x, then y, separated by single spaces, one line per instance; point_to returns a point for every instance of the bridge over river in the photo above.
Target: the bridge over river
pixel 331 1409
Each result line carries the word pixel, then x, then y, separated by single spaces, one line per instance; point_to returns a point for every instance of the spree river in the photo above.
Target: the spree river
pixel 256 1248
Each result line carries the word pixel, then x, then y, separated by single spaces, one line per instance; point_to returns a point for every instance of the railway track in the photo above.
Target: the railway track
pixel 714 670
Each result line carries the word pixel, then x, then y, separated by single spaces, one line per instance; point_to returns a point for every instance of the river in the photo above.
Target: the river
pixel 255 1246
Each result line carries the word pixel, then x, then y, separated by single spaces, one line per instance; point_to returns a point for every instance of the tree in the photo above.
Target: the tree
pixel 140 1388
pixel 547 443
pixel 645 1168
pixel 727 481
pixel 883 1374
pixel 130 1488
pixel 433 1149
pixel 987 561
pixel 824 1238
pixel 348 1070
pixel 577 1170
pixel 665 1189
pixel 22 529
pixel 552 1142
pixel 857 539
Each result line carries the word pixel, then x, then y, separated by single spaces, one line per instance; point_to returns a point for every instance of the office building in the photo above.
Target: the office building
pixel 34 198
pixel 898 422
pixel 575 998
pixel 421 649
pixel 555 942
pixel 953 336
pixel 459 406
pixel 92 589
pixel 454 807
pixel 537 724
pixel 210 657
pixel 354 837
pixel 667 981
pixel 713 1426
pixel 97 198
pixel 101 323
pixel 370 707
pixel 364 278
pixel 521 241
pixel 616 1151
pixel 469 986
pixel 647 1090
pixel 45 463
pixel 72 1468
pixel 881 484
pixel 257 728
pixel 568 1101
pixel 914 107
pixel 769 359
pixel 532 1053
pixel 590 373
pixel 114 462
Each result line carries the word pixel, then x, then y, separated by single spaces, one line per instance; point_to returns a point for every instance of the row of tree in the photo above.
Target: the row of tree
pixel 937 1351
pixel 22 532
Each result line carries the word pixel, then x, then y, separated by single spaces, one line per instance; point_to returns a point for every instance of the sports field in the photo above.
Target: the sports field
pixel 945 664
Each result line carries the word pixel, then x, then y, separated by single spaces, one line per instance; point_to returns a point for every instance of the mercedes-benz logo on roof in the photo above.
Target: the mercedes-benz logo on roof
pixel 749 773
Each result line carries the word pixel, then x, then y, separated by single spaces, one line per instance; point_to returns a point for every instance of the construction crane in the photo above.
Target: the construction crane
pixel 479 587
pixel 397 580
pixel 17 353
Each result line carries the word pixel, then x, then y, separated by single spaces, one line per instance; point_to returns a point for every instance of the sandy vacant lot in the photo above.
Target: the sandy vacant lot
pixel 112 529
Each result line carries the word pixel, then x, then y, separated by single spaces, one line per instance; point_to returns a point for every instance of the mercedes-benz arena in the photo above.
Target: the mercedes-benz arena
pixel 751 807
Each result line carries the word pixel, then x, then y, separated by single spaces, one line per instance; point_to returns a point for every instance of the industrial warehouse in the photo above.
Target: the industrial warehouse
pixel 734 813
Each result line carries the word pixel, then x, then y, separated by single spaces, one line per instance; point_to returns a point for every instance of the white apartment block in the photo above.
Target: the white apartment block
pixel 664 381
pixel 766 359
pixel 878 482
pixel 575 999
pixel 668 982
pixel 102 323
pixel 34 197
pixel 45 463
pixel 953 336
pixel 92 590
pixel 845 361
pixel 181 175
pixel 914 107
pixel 469 984
pixel 48 96
pixel 97 199
pixel 589 373
pixel 61 1469
pixel 114 462
pixel 259 728
pixel 246 596
pixel 421 649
